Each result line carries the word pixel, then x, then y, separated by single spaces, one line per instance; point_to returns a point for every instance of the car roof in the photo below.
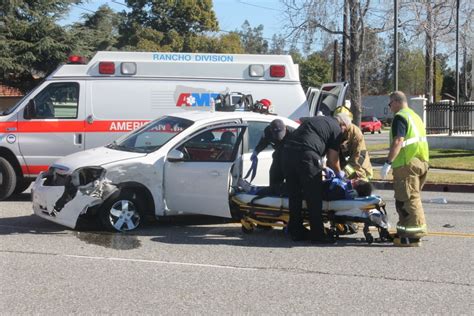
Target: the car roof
pixel 205 116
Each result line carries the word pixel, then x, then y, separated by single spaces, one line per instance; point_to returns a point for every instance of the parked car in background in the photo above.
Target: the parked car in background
pixel 370 124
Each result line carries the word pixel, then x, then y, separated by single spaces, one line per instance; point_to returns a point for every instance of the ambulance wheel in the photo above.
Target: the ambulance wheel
pixel 21 186
pixel 7 179
pixel 123 212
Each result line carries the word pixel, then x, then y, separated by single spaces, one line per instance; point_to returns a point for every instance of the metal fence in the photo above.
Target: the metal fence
pixel 449 118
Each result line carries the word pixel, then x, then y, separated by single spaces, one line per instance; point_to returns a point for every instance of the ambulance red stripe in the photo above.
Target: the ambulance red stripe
pixel 54 126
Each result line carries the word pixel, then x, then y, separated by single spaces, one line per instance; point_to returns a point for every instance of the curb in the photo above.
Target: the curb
pixel 439 187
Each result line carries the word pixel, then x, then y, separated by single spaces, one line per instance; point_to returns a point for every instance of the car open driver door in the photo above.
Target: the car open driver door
pixel 199 183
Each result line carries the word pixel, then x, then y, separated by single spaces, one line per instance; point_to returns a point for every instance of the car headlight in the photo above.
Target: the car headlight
pixel 87 175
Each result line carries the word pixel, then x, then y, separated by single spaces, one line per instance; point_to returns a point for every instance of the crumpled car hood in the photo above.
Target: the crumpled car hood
pixel 95 157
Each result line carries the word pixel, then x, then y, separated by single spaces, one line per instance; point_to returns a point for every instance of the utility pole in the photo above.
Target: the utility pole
pixel 335 61
pixel 345 27
pixel 457 51
pixel 395 45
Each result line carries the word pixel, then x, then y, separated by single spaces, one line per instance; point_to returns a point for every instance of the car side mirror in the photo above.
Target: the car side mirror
pixel 29 111
pixel 175 155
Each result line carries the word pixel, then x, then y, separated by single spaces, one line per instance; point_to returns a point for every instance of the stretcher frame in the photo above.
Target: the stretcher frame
pixel 253 215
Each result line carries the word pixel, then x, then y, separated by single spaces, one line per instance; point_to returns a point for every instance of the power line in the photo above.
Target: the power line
pixel 259 6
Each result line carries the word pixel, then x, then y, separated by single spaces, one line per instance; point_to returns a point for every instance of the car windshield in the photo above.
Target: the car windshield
pixel 367 119
pixel 151 136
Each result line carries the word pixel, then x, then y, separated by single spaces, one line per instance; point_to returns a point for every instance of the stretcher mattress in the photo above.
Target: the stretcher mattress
pixel 358 207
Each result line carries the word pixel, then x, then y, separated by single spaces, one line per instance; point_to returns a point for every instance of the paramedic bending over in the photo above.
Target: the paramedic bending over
pixel 315 137
pixel 274 134
pixel 354 157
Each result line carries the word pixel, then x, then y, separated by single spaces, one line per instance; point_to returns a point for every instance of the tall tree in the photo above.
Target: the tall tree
pixel 433 19
pixel 99 31
pixel 32 44
pixel 252 39
pixel 277 46
pixel 172 19
pixel 305 18
pixel 314 71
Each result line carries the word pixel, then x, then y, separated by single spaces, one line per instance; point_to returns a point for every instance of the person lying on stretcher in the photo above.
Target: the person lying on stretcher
pixel 333 188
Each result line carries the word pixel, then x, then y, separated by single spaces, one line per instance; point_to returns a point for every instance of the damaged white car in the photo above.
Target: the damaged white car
pixel 179 164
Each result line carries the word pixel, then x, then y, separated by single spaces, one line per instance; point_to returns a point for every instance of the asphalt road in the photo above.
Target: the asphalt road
pixel 376 138
pixel 198 265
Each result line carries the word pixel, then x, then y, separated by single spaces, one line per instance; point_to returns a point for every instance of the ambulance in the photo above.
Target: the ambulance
pixel 84 105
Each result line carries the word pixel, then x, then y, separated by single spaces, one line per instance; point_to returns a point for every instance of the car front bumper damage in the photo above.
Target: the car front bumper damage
pixel 63 204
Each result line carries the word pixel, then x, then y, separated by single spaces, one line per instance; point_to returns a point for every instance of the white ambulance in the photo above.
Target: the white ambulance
pixel 86 105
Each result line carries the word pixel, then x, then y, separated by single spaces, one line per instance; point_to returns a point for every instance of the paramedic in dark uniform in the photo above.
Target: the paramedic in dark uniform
pixel 315 137
pixel 274 134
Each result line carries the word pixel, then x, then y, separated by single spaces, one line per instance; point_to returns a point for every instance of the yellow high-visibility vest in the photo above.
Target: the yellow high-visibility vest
pixel 415 144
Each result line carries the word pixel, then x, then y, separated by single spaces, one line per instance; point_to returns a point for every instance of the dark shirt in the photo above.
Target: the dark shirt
pixel 399 126
pixel 267 139
pixel 318 134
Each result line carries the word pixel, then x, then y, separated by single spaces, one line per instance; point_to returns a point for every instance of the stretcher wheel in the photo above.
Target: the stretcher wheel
pixel 247 227
pixel 384 235
pixel 247 230
pixel 369 238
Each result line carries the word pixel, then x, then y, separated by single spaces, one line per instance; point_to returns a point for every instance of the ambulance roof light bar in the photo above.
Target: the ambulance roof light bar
pixel 76 60
pixel 107 68
pixel 277 71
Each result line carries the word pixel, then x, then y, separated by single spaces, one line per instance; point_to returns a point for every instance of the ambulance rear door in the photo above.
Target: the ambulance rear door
pixel 331 96
pixel 51 125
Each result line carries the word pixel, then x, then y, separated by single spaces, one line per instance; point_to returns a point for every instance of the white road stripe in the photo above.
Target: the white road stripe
pixel 161 262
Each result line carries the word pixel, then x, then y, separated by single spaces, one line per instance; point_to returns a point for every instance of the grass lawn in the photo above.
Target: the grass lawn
pixel 453 159
pixel 438 177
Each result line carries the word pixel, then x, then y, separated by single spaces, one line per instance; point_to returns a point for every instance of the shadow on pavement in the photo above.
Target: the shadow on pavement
pixel 180 230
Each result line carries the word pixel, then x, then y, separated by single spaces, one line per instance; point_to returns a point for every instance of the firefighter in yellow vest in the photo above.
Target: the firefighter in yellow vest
pixel 354 157
pixel 408 157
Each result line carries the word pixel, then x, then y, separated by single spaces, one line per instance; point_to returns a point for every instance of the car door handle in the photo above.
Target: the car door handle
pixel 214 173
pixel 78 139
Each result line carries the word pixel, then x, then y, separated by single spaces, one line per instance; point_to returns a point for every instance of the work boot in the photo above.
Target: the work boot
pixel 406 242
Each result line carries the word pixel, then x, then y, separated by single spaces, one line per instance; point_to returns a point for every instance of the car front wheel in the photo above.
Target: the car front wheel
pixel 122 213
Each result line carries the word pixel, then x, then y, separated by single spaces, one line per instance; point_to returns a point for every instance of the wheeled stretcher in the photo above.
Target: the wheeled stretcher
pixel 271 211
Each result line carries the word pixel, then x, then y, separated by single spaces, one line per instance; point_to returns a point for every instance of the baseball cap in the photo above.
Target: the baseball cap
pixel 278 129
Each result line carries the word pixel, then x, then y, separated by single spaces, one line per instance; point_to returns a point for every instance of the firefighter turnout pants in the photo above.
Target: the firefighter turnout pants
pixel 408 182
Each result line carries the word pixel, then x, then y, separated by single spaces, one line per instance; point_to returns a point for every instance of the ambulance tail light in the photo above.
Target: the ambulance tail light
pixel 106 68
pixel 277 71
pixel 75 59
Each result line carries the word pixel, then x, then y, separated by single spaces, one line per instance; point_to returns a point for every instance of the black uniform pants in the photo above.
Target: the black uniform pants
pixel 304 181
pixel 277 176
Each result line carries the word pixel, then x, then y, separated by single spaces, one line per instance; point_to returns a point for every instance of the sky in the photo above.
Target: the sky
pixel 231 14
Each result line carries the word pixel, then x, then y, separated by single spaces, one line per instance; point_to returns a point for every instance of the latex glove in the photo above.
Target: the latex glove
pixel 341 175
pixel 385 169
pixel 254 156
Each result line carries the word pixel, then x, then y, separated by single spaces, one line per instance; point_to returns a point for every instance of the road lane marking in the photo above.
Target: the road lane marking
pixel 161 262
pixel 443 234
